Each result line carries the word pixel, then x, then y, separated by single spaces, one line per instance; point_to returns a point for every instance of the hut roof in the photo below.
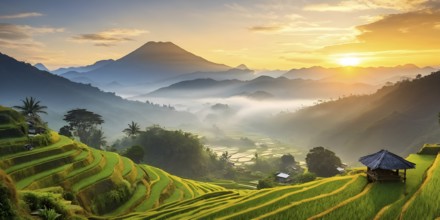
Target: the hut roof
pixel 386 160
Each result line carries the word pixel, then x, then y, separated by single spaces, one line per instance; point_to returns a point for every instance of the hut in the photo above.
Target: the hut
pixel 385 166
pixel 282 177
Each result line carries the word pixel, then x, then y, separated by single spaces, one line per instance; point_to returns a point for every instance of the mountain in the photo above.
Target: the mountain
pixel 370 75
pixel 20 80
pixel 41 67
pixel 152 62
pixel 82 69
pixel 242 67
pixel 281 88
pixel 399 117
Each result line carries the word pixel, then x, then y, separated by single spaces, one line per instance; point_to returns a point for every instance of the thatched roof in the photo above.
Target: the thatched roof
pixel 386 160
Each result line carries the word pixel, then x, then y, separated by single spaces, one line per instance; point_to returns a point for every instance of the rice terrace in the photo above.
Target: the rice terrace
pixel 228 109
pixel 60 172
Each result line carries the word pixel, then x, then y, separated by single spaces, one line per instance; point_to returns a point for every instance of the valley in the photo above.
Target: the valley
pixel 264 109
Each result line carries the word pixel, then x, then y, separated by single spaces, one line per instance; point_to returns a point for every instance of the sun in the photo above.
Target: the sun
pixel 349 61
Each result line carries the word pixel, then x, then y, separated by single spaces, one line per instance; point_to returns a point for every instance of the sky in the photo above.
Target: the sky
pixel 262 34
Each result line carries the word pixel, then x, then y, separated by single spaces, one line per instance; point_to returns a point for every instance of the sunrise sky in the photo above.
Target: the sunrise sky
pixel 270 34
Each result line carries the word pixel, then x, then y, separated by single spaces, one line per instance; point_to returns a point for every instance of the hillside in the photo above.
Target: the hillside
pixel 77 181
pixel 343 197
pixel 97 182
pixel 399 117
pixel 281 88
pixel 20 80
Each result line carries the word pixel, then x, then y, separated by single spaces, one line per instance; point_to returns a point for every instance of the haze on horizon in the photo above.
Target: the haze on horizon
pixel 263 34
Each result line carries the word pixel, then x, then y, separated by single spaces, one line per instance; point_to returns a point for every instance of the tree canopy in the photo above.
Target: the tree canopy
pixel 322 162
pixel 31 107
pixel 133 129
pixel 136 153
pixel 178 152
pixel 287 161
pixel 84 124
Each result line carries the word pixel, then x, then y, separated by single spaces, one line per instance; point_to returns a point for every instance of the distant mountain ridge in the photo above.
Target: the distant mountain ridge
pixel 370 75
pixel 83 69
pixel 41 67
pixel 20 80
pixel 280 87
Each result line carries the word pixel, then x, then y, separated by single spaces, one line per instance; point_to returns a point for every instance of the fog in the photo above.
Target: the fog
pixel 238 109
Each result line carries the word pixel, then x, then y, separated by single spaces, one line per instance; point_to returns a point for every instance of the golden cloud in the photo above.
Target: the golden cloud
pixel 417 30
pixel 110 37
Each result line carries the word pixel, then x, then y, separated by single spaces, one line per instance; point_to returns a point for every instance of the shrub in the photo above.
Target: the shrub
pixel 37 201
pixel 48 214
pixel 265 183
pixel 305 177
pixel 8 197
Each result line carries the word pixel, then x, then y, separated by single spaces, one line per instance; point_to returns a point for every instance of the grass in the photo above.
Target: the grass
pixel 265 204
pixel 36 153
pixel 413 182
pixel 41 165
pixel 426 201
pixel 128 166
pixel 138 195
pixel 158 184
pixel 309 206
pixel 369 204
pixel 112 160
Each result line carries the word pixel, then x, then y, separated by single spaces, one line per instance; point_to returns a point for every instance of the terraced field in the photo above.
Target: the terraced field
pixel 103 183
pixel 108 186
pixel 345 197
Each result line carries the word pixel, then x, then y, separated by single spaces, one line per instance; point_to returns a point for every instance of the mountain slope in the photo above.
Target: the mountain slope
pixel 152 62
pixel 281 88
pixel 399 118
pixel 82 69
pixel 20 80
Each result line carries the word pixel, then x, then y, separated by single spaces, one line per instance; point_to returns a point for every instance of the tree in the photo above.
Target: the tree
pixel 96 139
pixel 83 123
pixel 31 107
pixel 322 162
pixel 177 152
pixel 65 130
pixel 287 161
pixel 135 153
pixel 133 129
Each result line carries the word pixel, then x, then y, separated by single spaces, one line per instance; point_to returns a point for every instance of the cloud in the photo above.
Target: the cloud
pixel 417 30
pixel 359 5
pixel 20 32
pixel 110 37
pixel 21 15
pixel 273 28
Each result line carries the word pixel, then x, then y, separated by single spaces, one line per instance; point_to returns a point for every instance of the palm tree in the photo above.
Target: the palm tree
pixel 133 129
pixel 31 107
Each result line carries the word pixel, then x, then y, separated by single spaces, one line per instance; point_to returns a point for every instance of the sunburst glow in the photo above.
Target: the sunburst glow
pixel 349 61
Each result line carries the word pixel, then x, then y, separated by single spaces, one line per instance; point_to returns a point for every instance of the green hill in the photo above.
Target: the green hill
pixel 102 183
pixel 78 181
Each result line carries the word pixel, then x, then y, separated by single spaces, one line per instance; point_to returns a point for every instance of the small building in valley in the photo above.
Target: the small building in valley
pixel 385 166
pixel 282 177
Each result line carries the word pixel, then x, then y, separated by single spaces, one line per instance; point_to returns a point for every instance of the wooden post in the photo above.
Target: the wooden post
pixel 404 175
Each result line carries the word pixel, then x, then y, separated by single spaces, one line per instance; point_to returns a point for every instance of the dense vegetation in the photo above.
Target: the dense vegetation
pixel 68 180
